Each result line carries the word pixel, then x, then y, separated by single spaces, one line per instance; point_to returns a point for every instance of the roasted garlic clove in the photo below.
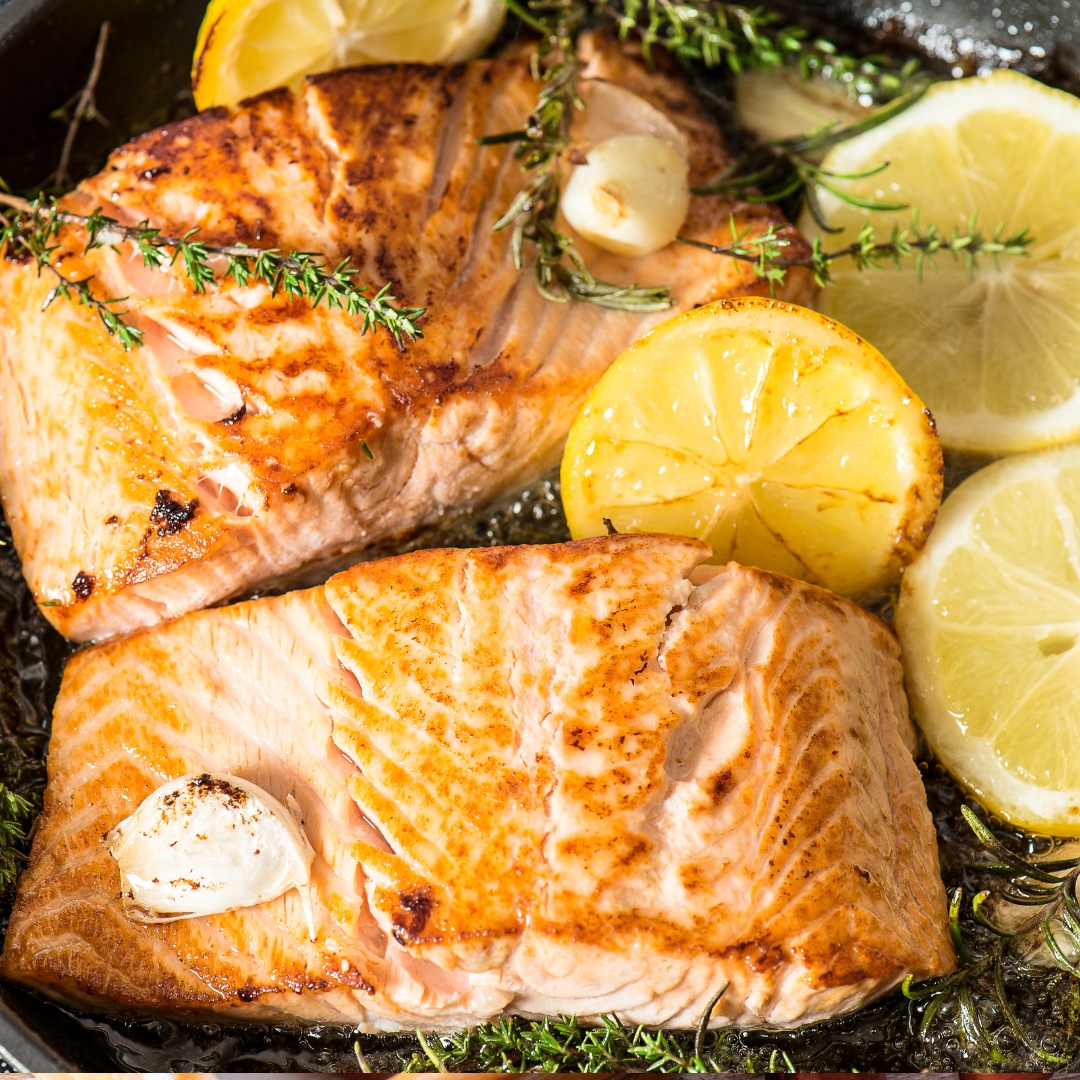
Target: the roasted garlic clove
pixel 205 844
pixel 631 196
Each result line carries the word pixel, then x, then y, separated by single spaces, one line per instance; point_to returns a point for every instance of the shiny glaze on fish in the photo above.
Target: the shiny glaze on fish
pixel 253 437
pixel 579 778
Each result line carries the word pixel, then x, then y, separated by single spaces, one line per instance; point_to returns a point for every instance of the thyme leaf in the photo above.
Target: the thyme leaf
pixel 34 225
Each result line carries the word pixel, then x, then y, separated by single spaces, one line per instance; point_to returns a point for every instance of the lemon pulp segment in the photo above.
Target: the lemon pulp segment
pixel 247 46
pixel 996 355
pixel 989 621
pixel 777 436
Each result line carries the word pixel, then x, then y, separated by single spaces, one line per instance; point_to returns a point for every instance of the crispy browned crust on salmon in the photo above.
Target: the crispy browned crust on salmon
pixel 580 778
pixel 253 436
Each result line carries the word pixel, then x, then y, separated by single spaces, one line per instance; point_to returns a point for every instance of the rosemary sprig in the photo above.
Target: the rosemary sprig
pixel 14 810
pixel 34 226
pixel 922 244
pixel 789 168
pixel 975 1000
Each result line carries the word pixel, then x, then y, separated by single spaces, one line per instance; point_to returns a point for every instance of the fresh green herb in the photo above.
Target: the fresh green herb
pixel 975 1002
pixel 788 169
pixel 366 450
pixel 718 35
pixel 430 1054
pixel 921 244
pixel 707 34
pixel 34 226
pixel 562 1044
pixel 560 272
pixel 14 811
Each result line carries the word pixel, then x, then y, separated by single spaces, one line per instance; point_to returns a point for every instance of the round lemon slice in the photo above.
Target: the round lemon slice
pixel 247 46
pixel 767 430
pixel 989 621
pixel 996 356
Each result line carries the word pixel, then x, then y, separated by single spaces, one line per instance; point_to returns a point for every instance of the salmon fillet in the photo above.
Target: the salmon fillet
pixel 579 778
pixel 253 437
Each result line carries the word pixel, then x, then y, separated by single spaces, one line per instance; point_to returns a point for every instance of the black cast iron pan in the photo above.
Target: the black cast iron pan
pixel 46 50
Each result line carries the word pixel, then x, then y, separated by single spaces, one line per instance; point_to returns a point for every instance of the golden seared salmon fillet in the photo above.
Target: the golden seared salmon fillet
pixel 253 437
pixel 579 778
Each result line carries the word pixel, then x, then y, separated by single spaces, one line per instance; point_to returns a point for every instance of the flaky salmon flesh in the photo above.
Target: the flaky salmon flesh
pixel 252 436
pixel 581 778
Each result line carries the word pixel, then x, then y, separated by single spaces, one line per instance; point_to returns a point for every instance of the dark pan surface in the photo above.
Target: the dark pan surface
pixel 46 48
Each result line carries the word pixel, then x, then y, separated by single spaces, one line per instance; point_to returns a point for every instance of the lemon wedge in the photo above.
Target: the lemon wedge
pixel 767 430
pixel 989 621
pixel 997 356
pixel 247 46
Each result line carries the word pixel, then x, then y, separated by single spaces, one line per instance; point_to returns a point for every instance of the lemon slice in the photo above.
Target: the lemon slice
pixel 247 46
pixel 989 621
pixel 770 432
pixel 996 357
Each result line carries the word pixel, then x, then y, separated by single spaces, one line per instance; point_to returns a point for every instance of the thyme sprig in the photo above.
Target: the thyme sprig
pixel 710 34
pixel 34 227
pixel 717 35
pixel 559 270
pixel 563 1044
pixel 920 243
pixel 975 999
pixel 14 811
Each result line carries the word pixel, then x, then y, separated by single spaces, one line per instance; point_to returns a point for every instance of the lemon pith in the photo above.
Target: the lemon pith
pixel 774 434
pixel 996 356
pixel 989 621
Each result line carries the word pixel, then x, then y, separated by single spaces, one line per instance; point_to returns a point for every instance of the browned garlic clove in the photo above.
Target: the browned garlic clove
pixel 206 844
pixel 630 197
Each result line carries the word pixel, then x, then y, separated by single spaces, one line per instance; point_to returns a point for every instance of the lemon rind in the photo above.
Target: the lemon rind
pixel 972 760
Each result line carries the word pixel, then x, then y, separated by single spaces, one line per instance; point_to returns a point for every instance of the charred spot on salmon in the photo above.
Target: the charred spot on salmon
pixel 238 415
pixel 156 170
pixel 720 785
pixel 415 910
pixel 670 616
pixel 582 585
pixel 17 254
pixel 170 515
pixel 83 585
pixel 112 520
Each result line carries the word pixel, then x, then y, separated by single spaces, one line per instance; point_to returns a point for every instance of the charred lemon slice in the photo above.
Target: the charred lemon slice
pixel 247 46
pixel 767 430
pixel 989 620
